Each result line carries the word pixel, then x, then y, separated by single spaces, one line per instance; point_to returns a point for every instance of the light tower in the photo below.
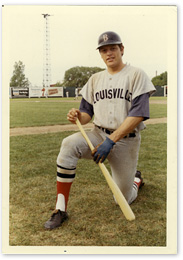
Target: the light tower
pixel 46 54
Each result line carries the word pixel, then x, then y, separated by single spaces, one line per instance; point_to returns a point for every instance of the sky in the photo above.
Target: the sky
pixel 74 32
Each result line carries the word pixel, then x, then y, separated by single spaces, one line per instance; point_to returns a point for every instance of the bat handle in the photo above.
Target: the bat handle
pixel 84 134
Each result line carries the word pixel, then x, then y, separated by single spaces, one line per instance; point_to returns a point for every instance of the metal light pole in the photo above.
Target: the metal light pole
pixel 46 54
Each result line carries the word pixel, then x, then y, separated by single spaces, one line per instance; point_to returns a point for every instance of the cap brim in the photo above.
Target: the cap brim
pixel 108 43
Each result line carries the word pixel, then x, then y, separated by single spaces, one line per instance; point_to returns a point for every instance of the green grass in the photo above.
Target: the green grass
pixel 40 112
pixel 158 98
pixel 158 110
pixel 95 220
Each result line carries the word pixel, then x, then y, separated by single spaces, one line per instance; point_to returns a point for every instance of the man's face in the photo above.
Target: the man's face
pixel 111 55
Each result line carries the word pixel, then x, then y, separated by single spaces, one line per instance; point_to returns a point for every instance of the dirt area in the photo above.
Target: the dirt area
pixel 61 128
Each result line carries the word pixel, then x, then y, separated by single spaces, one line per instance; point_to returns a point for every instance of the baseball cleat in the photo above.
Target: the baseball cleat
pixel 140 183
pixel 57 218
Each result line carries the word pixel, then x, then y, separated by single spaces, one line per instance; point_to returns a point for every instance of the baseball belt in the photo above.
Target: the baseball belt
pixel 107 131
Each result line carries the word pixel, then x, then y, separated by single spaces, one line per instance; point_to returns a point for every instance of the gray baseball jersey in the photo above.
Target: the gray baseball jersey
pixel 111 95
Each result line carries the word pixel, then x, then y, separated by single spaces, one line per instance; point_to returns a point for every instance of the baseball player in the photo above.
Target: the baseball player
pixel 76 93
pixel 118 99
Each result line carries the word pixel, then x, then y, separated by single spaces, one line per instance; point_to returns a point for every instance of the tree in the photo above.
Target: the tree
pixel 18 79
pixel 78 76
pixel 160 80
pixel 58 84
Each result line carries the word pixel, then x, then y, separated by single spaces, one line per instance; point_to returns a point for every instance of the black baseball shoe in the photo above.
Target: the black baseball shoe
pixel 57 218
pixel 138 175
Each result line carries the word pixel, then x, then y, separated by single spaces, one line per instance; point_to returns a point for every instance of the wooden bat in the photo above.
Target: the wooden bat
pixel 127 211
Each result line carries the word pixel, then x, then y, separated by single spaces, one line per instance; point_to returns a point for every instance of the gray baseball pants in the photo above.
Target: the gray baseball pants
pixel 123 158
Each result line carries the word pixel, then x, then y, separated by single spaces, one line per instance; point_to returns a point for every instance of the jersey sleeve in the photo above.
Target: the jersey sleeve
pixel 140 107
pixel 87 91
pixel 86 107
pixel 141 84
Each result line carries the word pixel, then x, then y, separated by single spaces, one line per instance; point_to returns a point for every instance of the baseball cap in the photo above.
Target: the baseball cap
pixel 108 38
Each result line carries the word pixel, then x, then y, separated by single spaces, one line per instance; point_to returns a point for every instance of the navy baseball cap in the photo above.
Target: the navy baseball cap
pixel 108 38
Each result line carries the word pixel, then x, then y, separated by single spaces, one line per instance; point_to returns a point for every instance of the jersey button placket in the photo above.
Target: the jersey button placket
pixel 111 108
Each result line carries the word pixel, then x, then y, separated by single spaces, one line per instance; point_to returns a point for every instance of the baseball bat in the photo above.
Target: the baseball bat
pixel 127 211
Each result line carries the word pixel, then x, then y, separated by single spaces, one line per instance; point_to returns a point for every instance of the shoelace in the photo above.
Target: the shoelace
pixel 54 214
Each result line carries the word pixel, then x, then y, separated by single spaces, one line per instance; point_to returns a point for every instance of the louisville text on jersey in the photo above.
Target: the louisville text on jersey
pixel 118 93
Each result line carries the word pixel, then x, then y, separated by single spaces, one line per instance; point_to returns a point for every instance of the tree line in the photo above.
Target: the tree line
pixel 18 79
pixel 160 80
pixel 74 77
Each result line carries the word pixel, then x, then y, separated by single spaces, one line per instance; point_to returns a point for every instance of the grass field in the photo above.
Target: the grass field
pixel 39 112
pixel 95 220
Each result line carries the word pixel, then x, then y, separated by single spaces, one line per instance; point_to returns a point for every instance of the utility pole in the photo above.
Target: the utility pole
pixel 46 54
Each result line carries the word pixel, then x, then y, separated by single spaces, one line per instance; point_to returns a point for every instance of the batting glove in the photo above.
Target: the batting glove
pixel 101 151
